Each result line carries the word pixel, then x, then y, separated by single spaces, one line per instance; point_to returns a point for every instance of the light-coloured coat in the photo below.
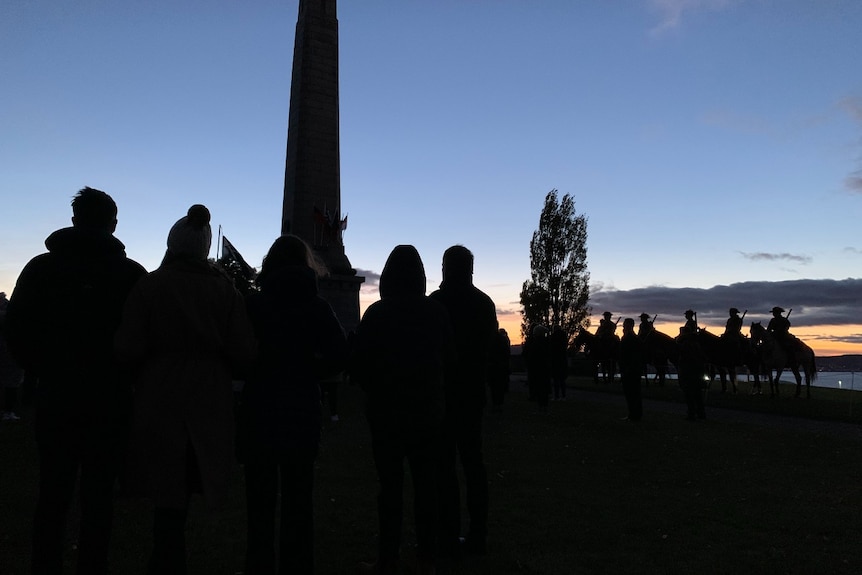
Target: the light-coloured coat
pixel 186 333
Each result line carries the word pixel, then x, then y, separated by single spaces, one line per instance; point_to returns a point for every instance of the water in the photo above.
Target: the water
pixel 831 379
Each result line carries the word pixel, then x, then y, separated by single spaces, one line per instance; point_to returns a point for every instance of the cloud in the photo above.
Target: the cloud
pixel 814 302
pixel 768 257
pixel 371 283
pixel 853 182
pixel 672 11
pixel 853 106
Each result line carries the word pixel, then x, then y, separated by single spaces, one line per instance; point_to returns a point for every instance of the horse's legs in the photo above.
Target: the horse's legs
pixel 798 377
pixel 731 373
pixel 774 382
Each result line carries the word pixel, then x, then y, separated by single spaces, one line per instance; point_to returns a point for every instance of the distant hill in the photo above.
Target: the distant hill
pixel 839 363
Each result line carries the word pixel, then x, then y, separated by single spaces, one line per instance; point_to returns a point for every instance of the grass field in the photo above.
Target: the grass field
pixel 575 490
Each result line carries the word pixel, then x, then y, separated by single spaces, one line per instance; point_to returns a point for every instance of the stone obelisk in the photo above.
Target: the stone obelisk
pixel 312 176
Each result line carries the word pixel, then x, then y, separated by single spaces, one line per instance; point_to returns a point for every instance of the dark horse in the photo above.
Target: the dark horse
pixel 601 350
pixel 778 356
pixel 724 355
pixel 660 349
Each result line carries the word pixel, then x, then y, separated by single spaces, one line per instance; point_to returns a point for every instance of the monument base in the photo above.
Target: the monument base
pixel 342 293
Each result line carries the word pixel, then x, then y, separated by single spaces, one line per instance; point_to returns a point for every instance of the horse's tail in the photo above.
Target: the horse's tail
pixel 812 367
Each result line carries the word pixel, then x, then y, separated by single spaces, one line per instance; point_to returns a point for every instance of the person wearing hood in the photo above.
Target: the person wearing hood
pixel 186 334
pixel 403 351
pixel 301 343
pixel 60 324
pixel 474 323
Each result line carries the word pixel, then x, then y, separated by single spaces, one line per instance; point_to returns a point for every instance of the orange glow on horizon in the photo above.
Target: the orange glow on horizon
pixel 818 337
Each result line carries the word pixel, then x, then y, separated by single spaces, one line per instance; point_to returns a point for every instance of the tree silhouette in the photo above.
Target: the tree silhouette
pixel 558 290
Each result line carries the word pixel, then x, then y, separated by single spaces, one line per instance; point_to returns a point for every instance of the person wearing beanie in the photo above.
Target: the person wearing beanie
pixel 185 335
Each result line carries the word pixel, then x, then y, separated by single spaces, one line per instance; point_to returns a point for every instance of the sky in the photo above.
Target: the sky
pixel 714 146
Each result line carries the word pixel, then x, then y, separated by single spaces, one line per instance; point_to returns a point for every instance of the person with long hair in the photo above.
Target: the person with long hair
pixel 301 342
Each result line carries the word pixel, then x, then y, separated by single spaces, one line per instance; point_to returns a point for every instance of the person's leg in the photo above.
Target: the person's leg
pixel 448 493
pixel 423 459
pixel 169 542
pixel 296 543
pixel 389 461
pixel 102 456
pixel 261 492
pixel 475 477
pixel 59 452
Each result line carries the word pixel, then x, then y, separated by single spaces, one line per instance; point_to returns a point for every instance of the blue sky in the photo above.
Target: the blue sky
pixel 708 142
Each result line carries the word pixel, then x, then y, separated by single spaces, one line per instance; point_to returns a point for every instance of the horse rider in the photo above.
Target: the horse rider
pixel 646 326
pixel 733 330
pixel 606 327
pixel 779 327
pixel 733 327
pixel 690 322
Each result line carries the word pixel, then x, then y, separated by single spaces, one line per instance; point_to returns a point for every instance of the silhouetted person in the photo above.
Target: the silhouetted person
pixel 186 333
pixel 537 360
pixel 474 322
pixel 733 326
pixel 606 328
pixel 500 370
pixel 690 325
pixel 559 343
pixel 61 322
pixel 692 370
pixel 779 327
pixel 402 352
pixel 300 343
pixel 631 361
pixel 11 375
pixel 646 326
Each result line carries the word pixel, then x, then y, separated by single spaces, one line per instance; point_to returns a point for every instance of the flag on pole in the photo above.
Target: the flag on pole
pixel 230 253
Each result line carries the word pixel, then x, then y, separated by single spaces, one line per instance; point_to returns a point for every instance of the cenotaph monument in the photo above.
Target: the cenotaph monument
pixel 312 177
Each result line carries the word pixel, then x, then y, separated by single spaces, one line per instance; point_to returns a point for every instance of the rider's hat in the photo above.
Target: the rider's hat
pixel 607 314
pixel 777 309
pixel 644 316
pixel 734 310
pixel 689 312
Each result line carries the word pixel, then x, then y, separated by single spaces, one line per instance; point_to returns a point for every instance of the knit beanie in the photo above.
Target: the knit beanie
pixel 191 236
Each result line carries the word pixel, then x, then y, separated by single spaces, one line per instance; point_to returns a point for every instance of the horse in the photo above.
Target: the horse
pixel 660 349
pixel 724 355
pixel 778 356
pixel 751 359
pixel 601 350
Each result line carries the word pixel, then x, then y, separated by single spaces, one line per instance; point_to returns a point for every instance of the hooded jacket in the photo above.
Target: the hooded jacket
pixel 404 351
pixel 62 317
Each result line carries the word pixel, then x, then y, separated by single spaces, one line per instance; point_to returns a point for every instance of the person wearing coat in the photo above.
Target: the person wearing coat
pixel 474 324
pixel 60 325
pixel 186 334
pixel 403 351
pixel 300 342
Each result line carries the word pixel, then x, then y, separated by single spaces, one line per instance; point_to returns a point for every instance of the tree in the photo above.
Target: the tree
pixel 558 290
